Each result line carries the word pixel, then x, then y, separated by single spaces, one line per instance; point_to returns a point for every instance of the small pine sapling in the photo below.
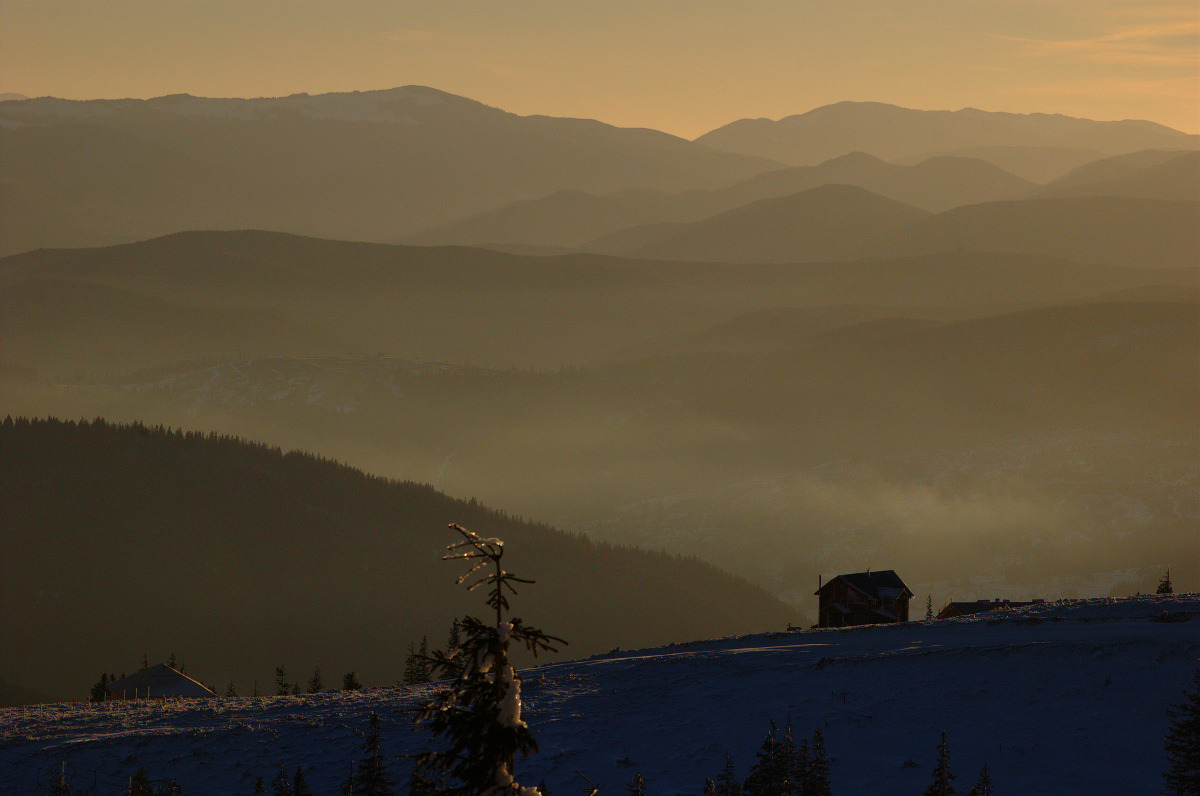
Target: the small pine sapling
pixel 416 665
pixel 726 783
pixel 1182 743
pixel 372 778
pixel 636 786
pixel 299 784
pixel 941 772
pixel 315 686
pixel 282 686
pixel 350 682
pixel 61 787
pixel 983 785
pixel 1164 585
pixel 479 715
pixel 790 765
pixel 230 691
pixel 929 606
pixel 817 781
pixel 281 785
pixel 766 776
pixel 100 689
pixel 139 784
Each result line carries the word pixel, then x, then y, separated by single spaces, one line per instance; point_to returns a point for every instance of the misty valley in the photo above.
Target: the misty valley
pixel 256 354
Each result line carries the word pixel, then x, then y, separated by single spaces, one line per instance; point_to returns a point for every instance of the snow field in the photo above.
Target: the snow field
pixel 1059 698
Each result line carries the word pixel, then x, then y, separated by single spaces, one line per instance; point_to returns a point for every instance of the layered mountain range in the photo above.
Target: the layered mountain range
pixel 960 345
pixel 382 165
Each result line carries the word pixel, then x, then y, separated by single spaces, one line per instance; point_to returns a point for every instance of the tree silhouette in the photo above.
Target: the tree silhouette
pixel 372 778
pixel 982 786
pixel 726 783
pixel 479 716
pixel 941 772
pixel 1182 743
pixel 283 687
pixel 816 783
pixel 1164 585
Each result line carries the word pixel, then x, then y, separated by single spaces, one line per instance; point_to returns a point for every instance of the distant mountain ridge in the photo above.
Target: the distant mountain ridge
pixel 571 218
pixel 379 165
pixel 363 166
pixel 892 133
pixel 841 222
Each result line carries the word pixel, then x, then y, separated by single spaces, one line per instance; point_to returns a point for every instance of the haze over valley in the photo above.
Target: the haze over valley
pixel 957 344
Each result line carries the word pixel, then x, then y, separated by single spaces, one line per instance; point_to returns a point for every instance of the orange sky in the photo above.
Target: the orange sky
pixel 683 66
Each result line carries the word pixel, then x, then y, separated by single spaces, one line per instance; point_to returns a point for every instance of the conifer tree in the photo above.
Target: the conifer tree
pixel 710 787
pixel 1182 743
pixel 727 782
pixel 315 686
pixel 1164 585
pixel 299 785
pixel 766 775
pixel 416 665
pixel 281 785
pixel 423 670
pixel 230 691
pixel 372 778
pixel 941 773
pixel 929 606
pixel 350 682
pixel 61 787
pixel 817 781
pixel 260 786
pixel 479 715
pixel 982 786
pixel 803 767
pixel 139 784
pixel 636 786
pixel 790 765
pixel 100 689
pixel 283 687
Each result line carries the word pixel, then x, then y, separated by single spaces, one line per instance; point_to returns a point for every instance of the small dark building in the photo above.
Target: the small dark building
pixel 863 598
pixel 977 607
pixel 157 682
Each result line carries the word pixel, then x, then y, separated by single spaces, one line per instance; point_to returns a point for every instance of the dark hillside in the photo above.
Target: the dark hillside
pixel 237 557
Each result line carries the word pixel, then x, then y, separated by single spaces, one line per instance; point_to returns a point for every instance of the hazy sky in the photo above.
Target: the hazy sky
pixel 683 66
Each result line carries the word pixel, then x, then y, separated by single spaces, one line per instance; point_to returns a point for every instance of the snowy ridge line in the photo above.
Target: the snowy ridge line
pixel 1035 701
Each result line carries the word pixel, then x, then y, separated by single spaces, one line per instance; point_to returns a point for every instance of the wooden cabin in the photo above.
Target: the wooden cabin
pixel 863 598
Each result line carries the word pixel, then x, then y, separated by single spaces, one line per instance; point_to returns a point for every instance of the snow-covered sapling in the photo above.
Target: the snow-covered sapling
pixel 479 715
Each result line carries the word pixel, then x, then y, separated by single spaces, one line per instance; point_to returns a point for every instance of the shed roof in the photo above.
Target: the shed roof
pixel 158 681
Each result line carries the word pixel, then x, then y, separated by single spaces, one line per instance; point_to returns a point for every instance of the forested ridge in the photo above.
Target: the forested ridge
pixel 124 540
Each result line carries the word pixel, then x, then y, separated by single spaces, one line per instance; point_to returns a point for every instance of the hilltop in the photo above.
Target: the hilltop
pixel 1035 693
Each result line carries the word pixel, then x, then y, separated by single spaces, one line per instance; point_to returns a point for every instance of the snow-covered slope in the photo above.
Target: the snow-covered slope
pixel 1058 698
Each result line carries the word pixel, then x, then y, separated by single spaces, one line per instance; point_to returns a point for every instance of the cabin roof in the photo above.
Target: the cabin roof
pixel 882 585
